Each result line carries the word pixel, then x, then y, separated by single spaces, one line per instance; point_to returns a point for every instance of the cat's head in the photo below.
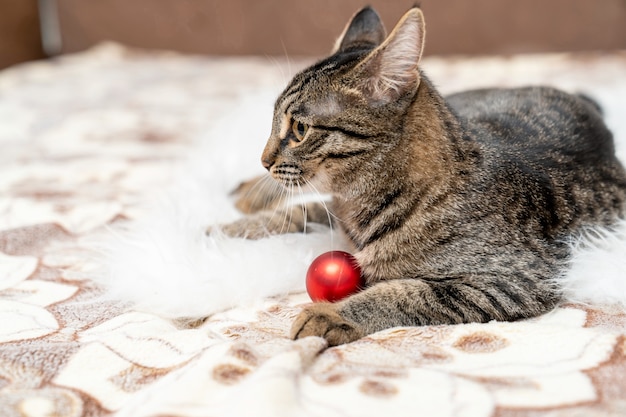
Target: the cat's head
pixel 340 114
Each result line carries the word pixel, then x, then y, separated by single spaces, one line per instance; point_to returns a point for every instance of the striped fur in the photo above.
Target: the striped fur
pixel 457 208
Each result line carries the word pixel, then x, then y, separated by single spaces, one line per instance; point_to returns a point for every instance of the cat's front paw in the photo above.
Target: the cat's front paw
pixel 264 224
pixel 246 228
pixel 323 320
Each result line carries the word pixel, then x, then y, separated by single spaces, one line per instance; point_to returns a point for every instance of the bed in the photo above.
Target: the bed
pixel 114 302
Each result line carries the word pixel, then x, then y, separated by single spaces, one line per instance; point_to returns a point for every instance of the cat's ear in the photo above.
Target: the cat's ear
pixel 364 29
pixel 391 69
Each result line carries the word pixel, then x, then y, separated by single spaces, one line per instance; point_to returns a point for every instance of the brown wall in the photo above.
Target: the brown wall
pixel 299 27
pixel 19 32
pixel 307 27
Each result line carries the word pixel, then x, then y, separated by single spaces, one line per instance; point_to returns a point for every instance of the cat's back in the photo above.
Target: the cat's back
pixel 547 151
pixel 534 119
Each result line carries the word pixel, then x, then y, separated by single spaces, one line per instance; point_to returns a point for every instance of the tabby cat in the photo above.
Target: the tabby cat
pixel 458 209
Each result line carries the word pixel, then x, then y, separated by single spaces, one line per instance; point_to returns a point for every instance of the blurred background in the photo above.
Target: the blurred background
pixel 31 29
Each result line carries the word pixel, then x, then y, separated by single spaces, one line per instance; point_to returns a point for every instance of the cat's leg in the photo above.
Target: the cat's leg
pixel 266 202
pixel 257 194
pixel 295 218
pixel 418 302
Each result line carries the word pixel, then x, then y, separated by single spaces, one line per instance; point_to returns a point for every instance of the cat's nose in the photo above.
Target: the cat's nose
pixel 270 153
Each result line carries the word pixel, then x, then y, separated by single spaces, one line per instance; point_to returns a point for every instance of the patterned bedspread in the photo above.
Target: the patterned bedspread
pixel 87 140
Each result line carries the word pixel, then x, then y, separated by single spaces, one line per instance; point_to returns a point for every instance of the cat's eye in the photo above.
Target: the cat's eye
pixel 299 130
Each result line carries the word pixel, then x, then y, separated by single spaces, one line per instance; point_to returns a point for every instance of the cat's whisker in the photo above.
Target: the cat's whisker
pixel 283 207
pixel 289 213
pixel 277 212
pixel 257 191
pixel 277 64
pixel 322 201
pixel 286 213
pixel 304 209
pixel 277 207
pixel 329 214
pixel 289 72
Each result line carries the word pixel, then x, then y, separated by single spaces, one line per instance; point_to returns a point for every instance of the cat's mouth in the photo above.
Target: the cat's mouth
pixel 288 175
pixel 293 176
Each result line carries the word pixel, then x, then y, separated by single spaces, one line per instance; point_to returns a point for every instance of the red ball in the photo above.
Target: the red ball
pixel 333 276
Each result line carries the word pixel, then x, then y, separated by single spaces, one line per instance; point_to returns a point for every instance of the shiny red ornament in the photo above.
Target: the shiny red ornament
pixel 332 276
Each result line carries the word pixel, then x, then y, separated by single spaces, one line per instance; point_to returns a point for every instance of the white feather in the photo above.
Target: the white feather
pixel 165 264
pixel 597 273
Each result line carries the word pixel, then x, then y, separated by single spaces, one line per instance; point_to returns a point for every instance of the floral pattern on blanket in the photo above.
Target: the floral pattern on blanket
pixel 74 164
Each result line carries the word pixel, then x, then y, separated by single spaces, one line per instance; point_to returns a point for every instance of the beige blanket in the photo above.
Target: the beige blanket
pixel 85 143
